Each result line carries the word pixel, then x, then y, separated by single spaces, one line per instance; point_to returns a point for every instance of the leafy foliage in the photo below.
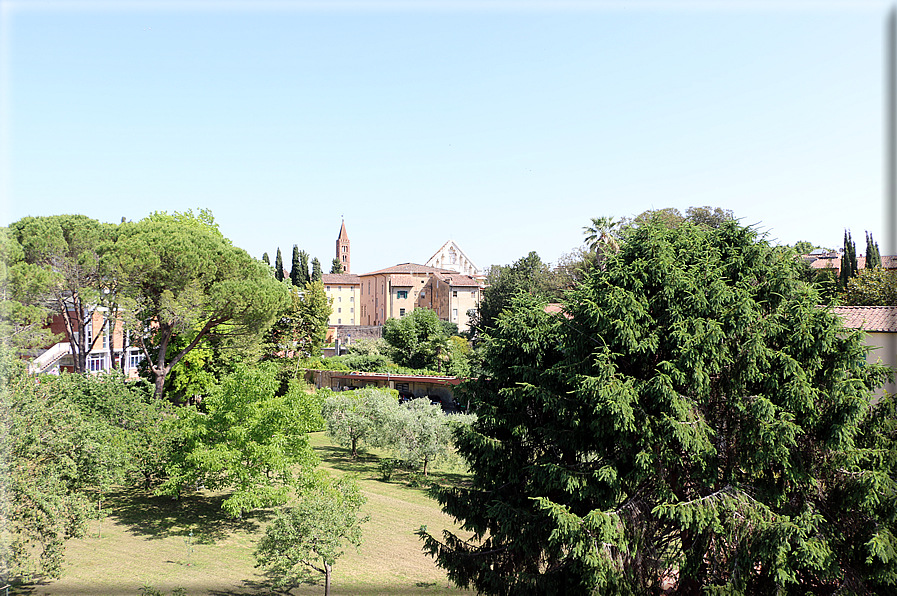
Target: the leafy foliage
pixel 871 287
pixel 247 439
pixel 184 277
pixel 64 441
pixel 360 416
pixel 417 340
pixel 528 274
pixel 694 418
pixel 310 537
pixel 420 434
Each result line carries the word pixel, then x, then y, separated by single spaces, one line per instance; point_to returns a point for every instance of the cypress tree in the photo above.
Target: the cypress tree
pixel 873 257
pixel 316 273
pixel 336 266
pixel 265 259
pixel 296 270
pixel 278 266
pixel 303 268
pixel 848 259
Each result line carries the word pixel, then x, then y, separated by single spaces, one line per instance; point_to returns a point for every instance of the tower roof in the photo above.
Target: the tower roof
pixel 343 235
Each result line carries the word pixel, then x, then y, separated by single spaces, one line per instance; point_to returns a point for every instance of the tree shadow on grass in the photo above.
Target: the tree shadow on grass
pixel 340 458
pixel 366 465
pixel 158 517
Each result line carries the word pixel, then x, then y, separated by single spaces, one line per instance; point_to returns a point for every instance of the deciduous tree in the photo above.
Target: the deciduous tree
pixel 310 537
pixel 247 439
pixel 528 274
pixel 871 287
pixel 417 339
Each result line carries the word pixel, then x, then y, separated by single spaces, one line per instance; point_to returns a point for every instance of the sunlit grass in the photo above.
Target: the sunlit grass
pixel 145 541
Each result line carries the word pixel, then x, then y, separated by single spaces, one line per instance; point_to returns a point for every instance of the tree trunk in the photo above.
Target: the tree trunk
pixel 327 570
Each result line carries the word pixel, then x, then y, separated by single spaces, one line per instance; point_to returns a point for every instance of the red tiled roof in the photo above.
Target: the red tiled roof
pixel 887 262
pixel 882 319
pixel 340 278
pixel 408 268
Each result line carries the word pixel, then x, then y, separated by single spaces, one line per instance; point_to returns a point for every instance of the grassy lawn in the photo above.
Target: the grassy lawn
pixel 145 540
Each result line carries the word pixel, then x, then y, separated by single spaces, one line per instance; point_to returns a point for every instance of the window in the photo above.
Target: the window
pixel 423 293
pixel 401 312
pixel 351 298
pixel 454 293
pixel 352 309
pixel 454 314
pixel 328 288
pixel 339 298
pixel 134 358
pixel 402 294
pixel 339 310
pixel 339 288
pixel 89 329
pixel 473 293
pixel 345 248
pixel 96 362
pixel 339 321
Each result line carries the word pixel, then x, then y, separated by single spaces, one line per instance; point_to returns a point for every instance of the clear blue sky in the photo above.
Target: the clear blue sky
pixel 504 126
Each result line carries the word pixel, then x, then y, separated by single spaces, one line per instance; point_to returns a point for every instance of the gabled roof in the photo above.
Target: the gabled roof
pixel 408 268
pixel 881 319
pixel 458 249
pixel 340 278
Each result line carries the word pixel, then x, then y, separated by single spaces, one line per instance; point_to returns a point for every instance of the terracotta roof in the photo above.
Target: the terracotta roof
pixel 409 268
pixel 882 319
pixel 887 262
pixel 342 232
pixel 457 280
pixel 404 281
pixel 340 278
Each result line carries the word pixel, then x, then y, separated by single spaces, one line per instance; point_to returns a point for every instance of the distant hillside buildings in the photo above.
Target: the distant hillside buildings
pixel 449 284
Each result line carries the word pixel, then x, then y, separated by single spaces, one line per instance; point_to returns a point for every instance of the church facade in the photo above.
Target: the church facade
pixel 449 284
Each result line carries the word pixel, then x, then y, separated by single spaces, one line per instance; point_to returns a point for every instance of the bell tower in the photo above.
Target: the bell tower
pixel 343 253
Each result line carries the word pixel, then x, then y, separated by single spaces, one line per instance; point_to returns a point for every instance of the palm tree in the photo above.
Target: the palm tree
pixel 601 235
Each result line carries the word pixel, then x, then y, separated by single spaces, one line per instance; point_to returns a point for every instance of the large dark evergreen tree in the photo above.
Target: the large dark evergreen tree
pixel 295 269
pixel 873 257
pixel 692 418
pixel 303 268
pixel 316 273
pixel 336 266
pixel 265 259
pixel 278 266
pixel 848 260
